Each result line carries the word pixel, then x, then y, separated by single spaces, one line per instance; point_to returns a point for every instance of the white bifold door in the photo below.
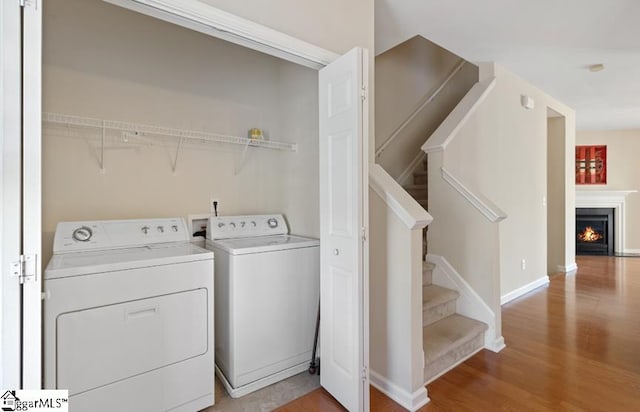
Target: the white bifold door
pixel 343 205
pixel 20 173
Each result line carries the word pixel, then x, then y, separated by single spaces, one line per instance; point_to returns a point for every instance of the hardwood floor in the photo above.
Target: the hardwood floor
pixel 573 346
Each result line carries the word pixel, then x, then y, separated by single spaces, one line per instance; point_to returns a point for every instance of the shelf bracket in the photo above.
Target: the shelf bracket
pixel 102 139
pixel 175 158
pixel 243 158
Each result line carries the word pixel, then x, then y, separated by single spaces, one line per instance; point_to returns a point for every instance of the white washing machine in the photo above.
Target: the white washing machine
pixel 267 286
pixel 128 317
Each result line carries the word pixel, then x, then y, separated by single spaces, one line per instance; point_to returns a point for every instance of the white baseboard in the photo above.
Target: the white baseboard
pixel 632 251
pixel 411 401
pixel 497 345
pixel 406 176
pixel 569 268
pixel 543 281
pixel 469 303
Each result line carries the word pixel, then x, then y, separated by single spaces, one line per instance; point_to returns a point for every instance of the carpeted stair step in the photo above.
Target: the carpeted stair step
pixel 420 178
pixel 437 303
pixel 450 341
pixel 427 273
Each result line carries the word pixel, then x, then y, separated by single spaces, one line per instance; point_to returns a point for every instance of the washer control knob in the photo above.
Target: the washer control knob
pixel 242 224
pixel 82 234
pixel 336 252
pixel 174 228
pixel 145 229
pixel 220 225
pixel 273 223
pixel 161 229
pixel 233 225
pixel 253 223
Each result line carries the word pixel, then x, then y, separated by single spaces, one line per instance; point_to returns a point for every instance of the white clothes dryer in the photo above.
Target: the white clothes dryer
pixel 128 317
pixel 267 286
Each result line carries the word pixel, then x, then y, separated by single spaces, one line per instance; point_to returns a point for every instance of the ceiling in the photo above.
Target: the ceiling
pixel 549 43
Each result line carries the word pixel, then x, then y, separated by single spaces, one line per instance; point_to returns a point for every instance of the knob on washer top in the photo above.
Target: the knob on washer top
pixel 82 234
pixel 273 223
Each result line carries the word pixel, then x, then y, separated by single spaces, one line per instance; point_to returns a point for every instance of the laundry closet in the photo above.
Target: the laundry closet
pixel 105 62
pixel 143 118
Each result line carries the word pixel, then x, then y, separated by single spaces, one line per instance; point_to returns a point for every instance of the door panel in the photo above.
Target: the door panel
pixel 10 181
pixel 32 191
pixel 344 332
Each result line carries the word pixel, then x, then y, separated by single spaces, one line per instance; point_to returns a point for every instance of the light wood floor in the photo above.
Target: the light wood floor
pixel 573 346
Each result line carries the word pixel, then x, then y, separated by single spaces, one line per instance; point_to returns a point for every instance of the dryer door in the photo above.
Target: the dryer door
pixel 99 346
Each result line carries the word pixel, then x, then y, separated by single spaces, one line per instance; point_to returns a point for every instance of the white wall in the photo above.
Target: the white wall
pixel 104 61
pixel 405 76
pixel 623 173
pixel 502 152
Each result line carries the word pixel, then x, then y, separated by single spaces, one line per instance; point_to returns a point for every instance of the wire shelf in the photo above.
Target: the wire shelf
pixel 136 134
pixel 147 130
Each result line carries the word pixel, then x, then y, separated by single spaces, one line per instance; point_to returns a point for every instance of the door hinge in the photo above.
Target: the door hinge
pixel 24 268
pixel 363 93
pixel 363 373
pixel 363 233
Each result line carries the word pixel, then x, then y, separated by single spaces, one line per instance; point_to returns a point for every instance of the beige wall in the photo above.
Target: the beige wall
pixel 106 62
pixel 335 25
pixel 623 173
pixel 555 193
pixel 502 153
pixel 395 293
pixel 405 76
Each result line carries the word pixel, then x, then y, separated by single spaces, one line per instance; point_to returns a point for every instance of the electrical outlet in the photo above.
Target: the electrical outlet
pixel 523 264
pixel 214 204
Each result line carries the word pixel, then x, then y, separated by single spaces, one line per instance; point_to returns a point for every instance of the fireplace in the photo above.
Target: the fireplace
pixel 594 231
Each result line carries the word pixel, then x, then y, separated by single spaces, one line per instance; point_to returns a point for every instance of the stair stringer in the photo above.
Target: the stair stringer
pixel 469 303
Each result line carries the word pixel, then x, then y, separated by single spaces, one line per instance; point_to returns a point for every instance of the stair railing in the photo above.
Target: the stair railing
pixel 429 98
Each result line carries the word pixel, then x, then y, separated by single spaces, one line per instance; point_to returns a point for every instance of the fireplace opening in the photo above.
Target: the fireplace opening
pixel 594 231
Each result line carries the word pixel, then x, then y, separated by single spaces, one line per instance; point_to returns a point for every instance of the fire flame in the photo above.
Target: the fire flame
pixel 589 235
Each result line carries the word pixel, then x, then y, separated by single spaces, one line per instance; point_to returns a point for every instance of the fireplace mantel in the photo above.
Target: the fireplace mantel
pixel 607 198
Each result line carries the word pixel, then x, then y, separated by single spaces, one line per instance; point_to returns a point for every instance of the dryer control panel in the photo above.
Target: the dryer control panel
pixel 225 227
pixel 115 234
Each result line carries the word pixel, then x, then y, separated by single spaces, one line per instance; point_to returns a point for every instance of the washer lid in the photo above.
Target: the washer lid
pixel 260 244
pixel 86 263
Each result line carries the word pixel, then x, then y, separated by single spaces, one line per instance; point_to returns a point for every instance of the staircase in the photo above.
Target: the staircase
pixel 448 338
pixel 419 191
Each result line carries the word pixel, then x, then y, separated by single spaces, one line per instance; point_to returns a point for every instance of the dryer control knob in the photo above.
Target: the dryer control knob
pixel 161 229
pixel 82 234
pixel 145 229
pixel 273 223
pixel 174 228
